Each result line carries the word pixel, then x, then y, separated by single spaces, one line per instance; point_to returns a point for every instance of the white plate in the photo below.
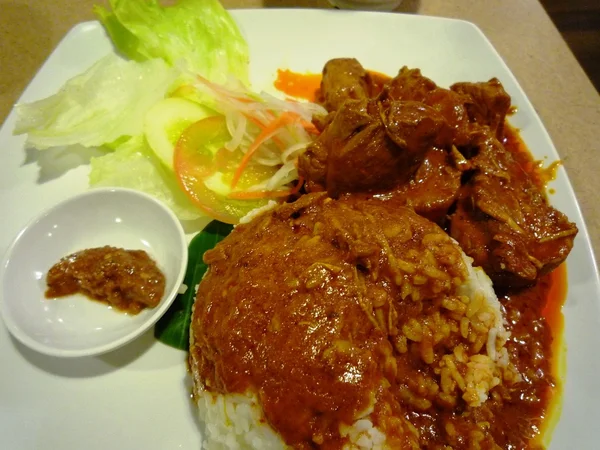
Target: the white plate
pixel 137 397
pixel 74 326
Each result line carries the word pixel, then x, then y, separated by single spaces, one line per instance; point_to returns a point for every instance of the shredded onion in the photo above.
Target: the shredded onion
pixel 292 152
pixel 236 124
pixel 249 116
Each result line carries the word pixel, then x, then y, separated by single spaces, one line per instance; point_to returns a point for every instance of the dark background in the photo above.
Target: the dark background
pixel 579 23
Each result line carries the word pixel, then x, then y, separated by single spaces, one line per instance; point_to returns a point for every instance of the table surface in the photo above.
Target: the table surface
pixel 520 30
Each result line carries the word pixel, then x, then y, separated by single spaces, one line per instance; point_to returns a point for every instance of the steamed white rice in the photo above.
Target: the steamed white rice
pixel 236 421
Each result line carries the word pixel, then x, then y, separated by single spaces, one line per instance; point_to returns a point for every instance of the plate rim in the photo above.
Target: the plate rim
pixel 584 236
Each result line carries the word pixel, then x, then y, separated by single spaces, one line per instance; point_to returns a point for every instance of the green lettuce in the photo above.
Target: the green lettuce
pixel 134 165
pixel 106 105
pixel 103 104
pixel 174 327
pixel 199 33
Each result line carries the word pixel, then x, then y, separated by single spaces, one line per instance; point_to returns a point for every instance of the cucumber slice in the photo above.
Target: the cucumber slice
pixel 166 120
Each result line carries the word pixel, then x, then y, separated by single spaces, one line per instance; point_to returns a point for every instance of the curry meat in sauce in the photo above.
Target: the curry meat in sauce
pixel 375 140
pixel 127 280
pixel 350 302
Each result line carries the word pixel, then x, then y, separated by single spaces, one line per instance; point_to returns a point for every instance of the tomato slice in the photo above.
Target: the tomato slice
pixel 204 170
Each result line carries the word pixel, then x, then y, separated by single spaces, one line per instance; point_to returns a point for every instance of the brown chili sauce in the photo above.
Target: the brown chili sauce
pixel 127 280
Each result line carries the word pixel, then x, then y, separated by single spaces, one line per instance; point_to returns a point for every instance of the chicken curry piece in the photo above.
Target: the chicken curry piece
pixel 442 152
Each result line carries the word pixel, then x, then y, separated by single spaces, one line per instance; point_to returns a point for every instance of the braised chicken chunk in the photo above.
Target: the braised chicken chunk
pixel 343 79
pixel 452 106
pixel 432 190
pixel 409 84
pixel 487 104
pixel 437 150
pixel 370 147
pixel 504 222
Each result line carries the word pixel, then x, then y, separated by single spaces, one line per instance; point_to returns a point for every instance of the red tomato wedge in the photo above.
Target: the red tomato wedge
pixel 205 169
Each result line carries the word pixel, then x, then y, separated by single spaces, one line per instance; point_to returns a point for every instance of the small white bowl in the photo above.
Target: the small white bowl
pixel 76 326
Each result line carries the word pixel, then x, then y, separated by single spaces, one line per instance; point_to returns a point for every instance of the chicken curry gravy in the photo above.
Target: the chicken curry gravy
pixel 394 154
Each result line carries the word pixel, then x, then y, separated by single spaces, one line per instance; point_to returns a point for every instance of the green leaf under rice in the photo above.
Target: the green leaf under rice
pixel 174 327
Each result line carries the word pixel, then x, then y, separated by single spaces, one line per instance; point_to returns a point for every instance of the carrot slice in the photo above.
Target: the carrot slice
pixel 262 126
pixel 281 121
pixel 310 128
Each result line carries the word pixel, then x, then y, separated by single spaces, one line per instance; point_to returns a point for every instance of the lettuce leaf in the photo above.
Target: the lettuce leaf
pixel 134 165
pixel 105 106
pixel 199 33
pixel 106 102
pixel 174 327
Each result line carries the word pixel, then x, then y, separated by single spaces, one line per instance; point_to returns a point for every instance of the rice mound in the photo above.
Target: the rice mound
pixel 235 421
pixel 460 306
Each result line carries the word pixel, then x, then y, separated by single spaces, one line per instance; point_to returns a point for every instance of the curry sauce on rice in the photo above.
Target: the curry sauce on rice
pixel 355 317
pixel 335 311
